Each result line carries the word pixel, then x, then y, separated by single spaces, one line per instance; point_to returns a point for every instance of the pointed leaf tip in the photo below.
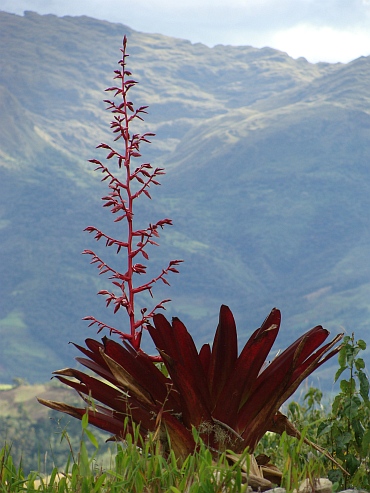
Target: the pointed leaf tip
pixel 224 353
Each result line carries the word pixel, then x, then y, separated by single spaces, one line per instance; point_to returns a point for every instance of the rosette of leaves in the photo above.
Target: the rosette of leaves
pixel 231 398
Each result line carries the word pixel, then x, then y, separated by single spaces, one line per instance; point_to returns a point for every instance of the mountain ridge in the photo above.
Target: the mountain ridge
pixel 267 183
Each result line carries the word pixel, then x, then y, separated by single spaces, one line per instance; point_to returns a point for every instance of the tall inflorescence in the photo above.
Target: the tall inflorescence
pixel 123 192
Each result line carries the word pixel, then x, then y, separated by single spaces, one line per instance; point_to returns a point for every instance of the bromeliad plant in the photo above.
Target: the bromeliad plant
pixel 231 399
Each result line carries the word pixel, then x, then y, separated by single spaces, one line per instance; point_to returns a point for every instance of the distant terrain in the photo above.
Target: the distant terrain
pixel 36 435
pixel 268 185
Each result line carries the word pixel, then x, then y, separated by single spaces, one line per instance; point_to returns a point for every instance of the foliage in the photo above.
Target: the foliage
pixel 299 462
pixel 306 415
pixel 346 431
pixel 198 383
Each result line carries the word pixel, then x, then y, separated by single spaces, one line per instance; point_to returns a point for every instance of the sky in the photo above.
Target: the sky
pixel 319 30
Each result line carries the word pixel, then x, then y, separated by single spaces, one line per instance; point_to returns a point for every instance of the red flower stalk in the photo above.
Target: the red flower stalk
pixel 122 195
pixel 231 399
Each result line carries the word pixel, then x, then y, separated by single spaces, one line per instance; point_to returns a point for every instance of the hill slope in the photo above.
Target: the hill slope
pixel 267 183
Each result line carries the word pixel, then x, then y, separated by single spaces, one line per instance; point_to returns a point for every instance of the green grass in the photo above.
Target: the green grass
pixel 141 467
pixel 136 467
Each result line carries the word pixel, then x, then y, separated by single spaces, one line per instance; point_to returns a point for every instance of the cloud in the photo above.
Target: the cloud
pixel 269 14
pixel 331 30
pixel 323 43
pixel 262 14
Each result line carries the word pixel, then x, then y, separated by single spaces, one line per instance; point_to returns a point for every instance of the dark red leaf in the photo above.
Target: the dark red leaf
pixel 247 368
pixel 183 364
pixel 142 369
pixel 224 353
pixel 205 358
pixel 105 421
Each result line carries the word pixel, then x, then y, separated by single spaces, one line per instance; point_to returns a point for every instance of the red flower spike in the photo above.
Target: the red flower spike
pixel 120 200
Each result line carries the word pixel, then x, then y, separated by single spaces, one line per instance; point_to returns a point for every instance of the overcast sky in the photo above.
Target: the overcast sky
pixel 319 30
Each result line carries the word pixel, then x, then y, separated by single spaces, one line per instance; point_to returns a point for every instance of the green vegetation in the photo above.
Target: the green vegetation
pixel 347 429
pixel 136 468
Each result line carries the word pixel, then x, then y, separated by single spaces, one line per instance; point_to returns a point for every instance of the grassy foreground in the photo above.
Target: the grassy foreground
pixel 141 468
pixel 133 469
pixel 342 428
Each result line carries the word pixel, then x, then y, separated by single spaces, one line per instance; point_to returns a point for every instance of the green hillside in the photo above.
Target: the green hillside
pixel 267 184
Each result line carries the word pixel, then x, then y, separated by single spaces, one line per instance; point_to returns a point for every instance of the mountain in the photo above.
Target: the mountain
pixel 267 184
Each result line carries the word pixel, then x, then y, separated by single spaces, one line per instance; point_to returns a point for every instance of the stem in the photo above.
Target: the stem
pixel 350 396
pixel 126 136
